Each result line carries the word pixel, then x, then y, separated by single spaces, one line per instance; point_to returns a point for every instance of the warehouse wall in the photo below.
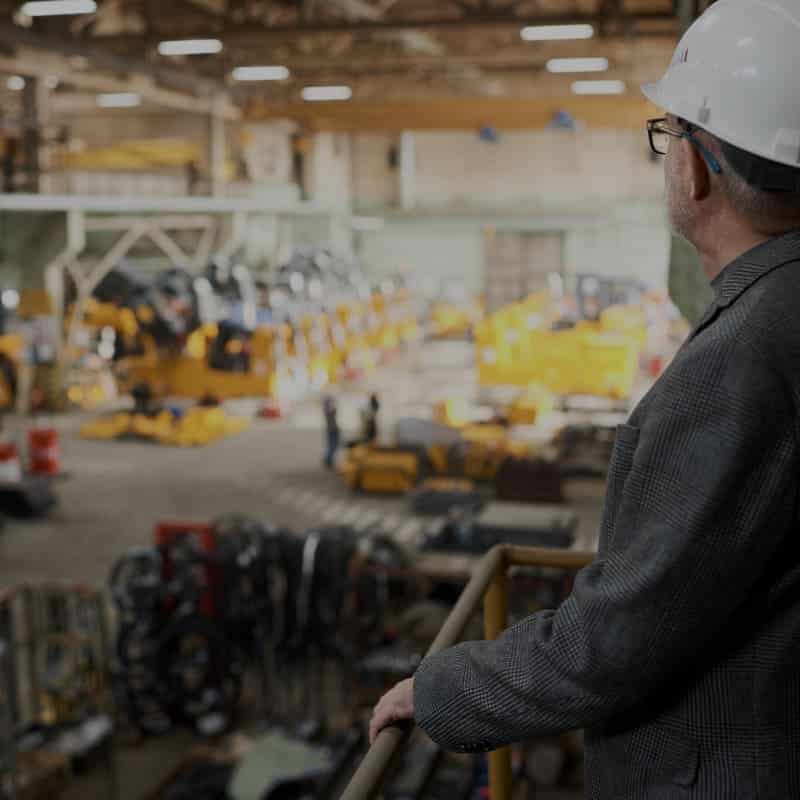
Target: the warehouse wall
pixel 330 172
pixel 535 170
pixel 375 179
pixel 598 187
pixel 442 249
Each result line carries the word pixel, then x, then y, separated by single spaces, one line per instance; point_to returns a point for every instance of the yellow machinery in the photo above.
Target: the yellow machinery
pixel 160 346
pixel 360 356
pixel 338 343
pixel 265 363
pixel 517 346
pixel 477 456
pixel 454 412
pixel 454 320
pixel 197 426
pixel 192 373
pixel 322 367
pixel 381 470
pixel 383 332
pixel 530 406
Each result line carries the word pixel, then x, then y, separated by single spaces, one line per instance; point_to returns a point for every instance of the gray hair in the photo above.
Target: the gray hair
pixel 763 208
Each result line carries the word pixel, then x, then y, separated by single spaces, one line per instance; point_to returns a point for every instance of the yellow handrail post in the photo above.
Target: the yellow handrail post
pixel 495 620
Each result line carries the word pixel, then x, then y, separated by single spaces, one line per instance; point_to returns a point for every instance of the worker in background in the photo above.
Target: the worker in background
pixel 678 650
pixel 333 433
pixel 369 418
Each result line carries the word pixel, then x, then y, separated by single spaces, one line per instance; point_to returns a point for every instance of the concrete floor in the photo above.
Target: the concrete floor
pixel 115 493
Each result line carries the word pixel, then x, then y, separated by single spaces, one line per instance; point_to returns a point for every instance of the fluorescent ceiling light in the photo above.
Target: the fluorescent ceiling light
pixel 598 87
pixel 322 93
pixel 260 73
pixel 549 33
pixel 58 8
pixel 16 83
pixel 190 47
pixel 119 100
pixel 577 65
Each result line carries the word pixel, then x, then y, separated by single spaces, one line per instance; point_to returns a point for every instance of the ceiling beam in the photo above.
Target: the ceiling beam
pixel 358 9
pixel 100 58
pixel 32 62
pixel 467 113
pixel 657 48
pixel 238 34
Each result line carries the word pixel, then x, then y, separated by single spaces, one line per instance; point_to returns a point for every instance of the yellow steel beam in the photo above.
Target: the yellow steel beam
pixel 465 113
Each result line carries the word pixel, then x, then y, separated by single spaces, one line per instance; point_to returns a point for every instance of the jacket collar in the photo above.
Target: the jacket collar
pixel 742 273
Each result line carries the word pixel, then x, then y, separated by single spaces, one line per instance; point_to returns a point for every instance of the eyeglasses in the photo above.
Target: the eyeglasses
pixel 659 132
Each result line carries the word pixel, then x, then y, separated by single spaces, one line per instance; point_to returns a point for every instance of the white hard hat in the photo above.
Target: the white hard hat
pixel 736 74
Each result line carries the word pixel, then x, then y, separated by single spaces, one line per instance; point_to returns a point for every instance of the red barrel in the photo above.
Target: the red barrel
pixel 45 451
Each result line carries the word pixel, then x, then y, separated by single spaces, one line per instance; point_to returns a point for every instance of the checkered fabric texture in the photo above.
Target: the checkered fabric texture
pixel 679 648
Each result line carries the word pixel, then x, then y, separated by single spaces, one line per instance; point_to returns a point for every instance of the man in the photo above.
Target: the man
pixel 333 433
pixel 679 649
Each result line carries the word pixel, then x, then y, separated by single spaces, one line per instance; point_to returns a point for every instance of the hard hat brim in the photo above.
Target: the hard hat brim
pixel 652 93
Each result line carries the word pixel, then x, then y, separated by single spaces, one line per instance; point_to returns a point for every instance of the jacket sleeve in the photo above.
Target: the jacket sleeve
pixel 710 493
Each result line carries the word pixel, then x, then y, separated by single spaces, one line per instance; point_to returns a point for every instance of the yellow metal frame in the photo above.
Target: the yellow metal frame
pixel 488 586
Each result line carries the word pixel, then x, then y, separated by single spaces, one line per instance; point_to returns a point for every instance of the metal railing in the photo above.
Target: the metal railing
pixel 488 586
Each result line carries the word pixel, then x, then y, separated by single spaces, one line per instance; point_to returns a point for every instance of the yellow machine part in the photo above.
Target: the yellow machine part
pixel 184 376
pixel 198 426
pixel 454 411
pixel 516 347
pixel 34 303
pixel 450 320
pixel 12 346
pixel 12 350
pixel 380 470
pixel 133 154
pixel 531 406
pixel 483 450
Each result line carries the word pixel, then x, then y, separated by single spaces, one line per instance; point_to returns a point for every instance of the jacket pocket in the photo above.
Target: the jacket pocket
pixel 618 470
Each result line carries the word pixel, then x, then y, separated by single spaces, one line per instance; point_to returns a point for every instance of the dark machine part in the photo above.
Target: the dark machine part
pixel 206 781
pixel 528 480
pixel 201 667
pixel 252 596
pixel 435 498
pixel 505 523
pixel 8 744
pixel 203 674
pixel 234 283
pixel 230 350
pixel 31 497
pixel 137 591
pixel 381 589
pixel 166 308
pixel 54 687
pixel 175 663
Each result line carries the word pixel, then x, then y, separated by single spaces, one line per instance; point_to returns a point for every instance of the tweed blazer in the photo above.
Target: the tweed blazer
pixel 678 650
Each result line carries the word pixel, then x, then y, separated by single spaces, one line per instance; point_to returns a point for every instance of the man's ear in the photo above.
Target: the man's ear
pixel 699 174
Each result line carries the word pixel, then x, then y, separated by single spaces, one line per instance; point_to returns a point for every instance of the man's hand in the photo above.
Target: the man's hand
pixel 395 706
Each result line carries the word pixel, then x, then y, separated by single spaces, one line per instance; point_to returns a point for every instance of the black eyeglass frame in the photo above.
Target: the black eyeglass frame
pixel 660 125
